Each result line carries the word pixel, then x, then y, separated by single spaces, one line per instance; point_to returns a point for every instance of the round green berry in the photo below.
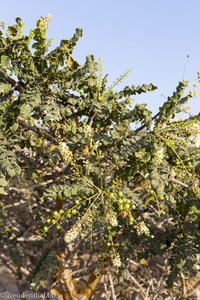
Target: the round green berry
pixel 55 214
pixel 131 219
pixel 189 164
pixel 111 195
pixel 120 194
pixel 74 211
pixel 45 228
pixel 133 206
pixel 127 206
pixel 120 201
pixel 48 220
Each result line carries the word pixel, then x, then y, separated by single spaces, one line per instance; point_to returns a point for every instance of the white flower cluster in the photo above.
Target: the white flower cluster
pixel 193 129
pixel 78 227
pixel 88 131
pixel 116 260
pixel 159 155
pixel 48 19
pixel 112 219
pixel 66 152
pixel 196 187
pixel 73 233
pixel 142 228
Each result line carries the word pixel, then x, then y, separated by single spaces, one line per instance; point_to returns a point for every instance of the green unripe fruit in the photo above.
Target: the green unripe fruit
pixel 131 219
pixel 77 201
pixel 48 220
pixel 133 206
pixel 74 211
pixel 109 228
pixel 61 211
pixel 55 214
pixel 53 221
pixel 127 206
pixel 58 226
pixel 111 195
pixel 69 215
pixel 108 244
pixel 120 194
pixel 45 228
pixel 120 201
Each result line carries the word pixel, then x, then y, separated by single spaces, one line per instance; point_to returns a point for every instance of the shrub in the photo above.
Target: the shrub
pixel 81 166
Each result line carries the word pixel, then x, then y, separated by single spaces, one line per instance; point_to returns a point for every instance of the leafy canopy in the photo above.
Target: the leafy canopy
pixel 84 162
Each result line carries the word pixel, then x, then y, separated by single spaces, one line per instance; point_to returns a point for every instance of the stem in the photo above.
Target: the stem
pixel 39 131
pixel 16 85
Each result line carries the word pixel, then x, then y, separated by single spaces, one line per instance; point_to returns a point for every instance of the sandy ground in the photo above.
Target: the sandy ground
pixel 9 289
pixel 8 286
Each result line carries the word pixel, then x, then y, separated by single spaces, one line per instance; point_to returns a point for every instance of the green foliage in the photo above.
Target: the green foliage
pixel 70 150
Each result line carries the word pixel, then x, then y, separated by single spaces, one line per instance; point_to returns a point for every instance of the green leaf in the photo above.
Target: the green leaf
pixel 3 181
pixel 2 191
pixel 4 88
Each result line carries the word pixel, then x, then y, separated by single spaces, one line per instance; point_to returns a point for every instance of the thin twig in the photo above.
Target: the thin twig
pixel 147 291
pixel 106 291
pixel 42 132
pixel 112 286
pixel 179 182
pixel 134 263
pixel 27 189
pixel 184 291
pixel 136 283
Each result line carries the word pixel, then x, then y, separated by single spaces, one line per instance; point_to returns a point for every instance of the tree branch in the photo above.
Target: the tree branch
pixel 16 85
pixel 39 131
pixel 182 101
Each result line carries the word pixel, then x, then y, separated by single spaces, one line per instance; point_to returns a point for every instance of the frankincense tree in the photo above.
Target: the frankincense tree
pixel 80 162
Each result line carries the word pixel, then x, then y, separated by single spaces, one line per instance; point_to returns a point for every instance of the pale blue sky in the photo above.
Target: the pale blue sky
pixel 152 37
